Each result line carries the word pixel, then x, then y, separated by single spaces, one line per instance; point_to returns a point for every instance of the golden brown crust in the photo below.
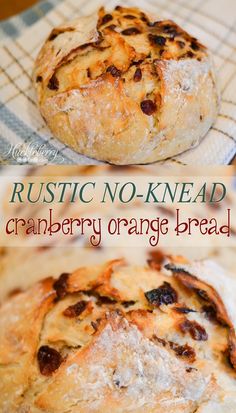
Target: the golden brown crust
pixel 118 86
pixel 21 322
pixel 232 347
pixel 204 290
pixel 207 293
pixel 96 279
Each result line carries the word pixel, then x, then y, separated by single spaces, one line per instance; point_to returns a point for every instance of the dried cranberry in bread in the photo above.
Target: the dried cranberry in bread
pixel 121 87
pixel 120 338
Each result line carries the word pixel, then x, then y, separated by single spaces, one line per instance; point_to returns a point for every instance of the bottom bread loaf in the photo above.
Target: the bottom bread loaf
pixel 119 338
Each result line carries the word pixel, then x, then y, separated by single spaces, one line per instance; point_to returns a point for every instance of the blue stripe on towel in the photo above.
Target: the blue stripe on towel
pixel 13 26
pixel 25 133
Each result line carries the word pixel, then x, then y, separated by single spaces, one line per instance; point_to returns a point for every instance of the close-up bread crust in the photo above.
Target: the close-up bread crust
pixel 125 88
pixel 121 338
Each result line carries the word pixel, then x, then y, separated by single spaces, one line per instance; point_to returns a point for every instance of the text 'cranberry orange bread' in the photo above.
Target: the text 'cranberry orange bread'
pixel 125 88
pixel 121 338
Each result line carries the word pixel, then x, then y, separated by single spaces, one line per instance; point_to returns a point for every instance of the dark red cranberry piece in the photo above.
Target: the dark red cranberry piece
pixel 184 310
pixel 60 286
pixel 138 75
pixel 181 44
pixel 127 304
pixel 114 71
pixel 183 351
pixel 111 27
pixel 209 312
pixel 188 54
pixel 95 324
pixel 194 45
pixel 157 40
pixel 196 331
pixel 130 31
pixel 145 19
pixel 165 294
pixel 53 83
pixel 76 309
pixel 107 18
pixel 148 107
pixel 171 30
pixel 129 16
pixel 49 360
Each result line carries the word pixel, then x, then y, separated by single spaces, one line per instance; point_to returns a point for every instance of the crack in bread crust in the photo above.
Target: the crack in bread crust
pixel 207 293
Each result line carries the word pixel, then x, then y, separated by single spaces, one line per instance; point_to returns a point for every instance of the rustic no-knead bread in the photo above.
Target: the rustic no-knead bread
pixel 118 338
pixel 124 88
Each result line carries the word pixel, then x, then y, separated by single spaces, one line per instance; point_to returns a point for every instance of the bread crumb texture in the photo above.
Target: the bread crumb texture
pixel 125 88
pixel 120 338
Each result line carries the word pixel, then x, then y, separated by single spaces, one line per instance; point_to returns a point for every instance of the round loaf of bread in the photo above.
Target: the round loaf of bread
pixel 124 88
pixel 119 338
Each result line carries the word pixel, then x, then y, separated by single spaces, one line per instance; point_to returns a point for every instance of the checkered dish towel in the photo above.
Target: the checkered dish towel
pixel 24 138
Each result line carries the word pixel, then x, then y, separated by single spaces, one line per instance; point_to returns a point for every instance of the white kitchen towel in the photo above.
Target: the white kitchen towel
pixel 24 137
